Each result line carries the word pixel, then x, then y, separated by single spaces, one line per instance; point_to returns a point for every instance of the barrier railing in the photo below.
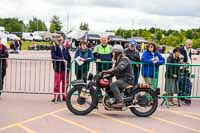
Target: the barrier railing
pixel 179 81
pixel 30 75
pixel 158 78
pixel 80 72
pixel 37 76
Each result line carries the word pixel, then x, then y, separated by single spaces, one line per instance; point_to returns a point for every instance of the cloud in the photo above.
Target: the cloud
pixel 108 14
pixel 159 7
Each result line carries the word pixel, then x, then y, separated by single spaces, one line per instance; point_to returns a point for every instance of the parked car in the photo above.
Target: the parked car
pixel 27 36
pixel 19 34
pixel 37 38
pixel 194 52
pixel 11 37
pixel 198 51
pixel 46 35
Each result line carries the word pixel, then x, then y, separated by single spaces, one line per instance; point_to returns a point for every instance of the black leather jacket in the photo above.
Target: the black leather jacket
pixel 123 70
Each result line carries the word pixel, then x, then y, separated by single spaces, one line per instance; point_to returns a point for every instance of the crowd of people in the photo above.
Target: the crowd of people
pixel 177 77
pixel 148 63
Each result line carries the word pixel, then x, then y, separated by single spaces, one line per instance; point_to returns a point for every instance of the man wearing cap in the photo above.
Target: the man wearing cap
pixel 133 54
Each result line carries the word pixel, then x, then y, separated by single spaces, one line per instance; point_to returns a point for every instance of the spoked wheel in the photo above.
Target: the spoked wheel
pixel 145 102
pixel 80 105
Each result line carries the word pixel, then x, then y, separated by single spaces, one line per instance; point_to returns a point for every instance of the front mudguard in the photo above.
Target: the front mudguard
pixel 78 83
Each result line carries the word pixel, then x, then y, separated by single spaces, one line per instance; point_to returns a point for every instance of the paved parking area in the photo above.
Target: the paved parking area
pixel 35 113
pixel 27 113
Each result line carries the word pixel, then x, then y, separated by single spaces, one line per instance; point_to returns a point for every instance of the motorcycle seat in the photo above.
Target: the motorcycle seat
pixel 143 86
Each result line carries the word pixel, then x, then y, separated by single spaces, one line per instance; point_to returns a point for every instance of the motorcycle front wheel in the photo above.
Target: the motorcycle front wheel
pixel 79 105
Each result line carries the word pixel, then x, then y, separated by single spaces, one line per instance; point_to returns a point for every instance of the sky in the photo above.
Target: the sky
pixel 104 15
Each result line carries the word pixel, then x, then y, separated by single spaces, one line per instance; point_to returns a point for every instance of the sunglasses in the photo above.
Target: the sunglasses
pixel 151 46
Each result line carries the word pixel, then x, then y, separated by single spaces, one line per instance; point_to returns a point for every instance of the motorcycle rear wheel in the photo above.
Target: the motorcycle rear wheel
pixel 153 103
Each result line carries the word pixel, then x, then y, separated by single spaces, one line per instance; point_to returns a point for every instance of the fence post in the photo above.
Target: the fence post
pixel 70 85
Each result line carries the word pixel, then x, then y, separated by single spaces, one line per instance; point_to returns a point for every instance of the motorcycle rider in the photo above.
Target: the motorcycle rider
pixel 123 72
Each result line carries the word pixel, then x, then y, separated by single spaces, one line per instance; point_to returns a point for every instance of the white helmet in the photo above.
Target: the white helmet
pixel 118 48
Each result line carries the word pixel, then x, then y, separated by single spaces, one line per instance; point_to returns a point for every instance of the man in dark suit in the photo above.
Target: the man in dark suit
pixel 186 51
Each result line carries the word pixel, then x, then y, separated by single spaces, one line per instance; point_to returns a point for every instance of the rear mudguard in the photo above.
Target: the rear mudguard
pixel 133 91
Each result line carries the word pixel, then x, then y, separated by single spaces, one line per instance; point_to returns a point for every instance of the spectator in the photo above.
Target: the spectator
pixel 3 64
pixel 184 82
pixel 67 43
pixel 186 51
pixel 86 56
pixel 142 47
pixel 133 54
pixel 20 44
pixel 15 45
pixel 187 59
pixel 152 60
pixel 103 52
pixel 60 54
pixel 171 75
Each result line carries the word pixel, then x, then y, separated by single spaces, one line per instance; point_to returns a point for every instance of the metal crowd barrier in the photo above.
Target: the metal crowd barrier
pixel 187 81
pixel 80 72
pixel 158 78
pixel 37 76
pixel 33 76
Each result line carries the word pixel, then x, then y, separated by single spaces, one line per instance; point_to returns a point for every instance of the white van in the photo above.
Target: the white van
pixel 2 29
pixel 27 36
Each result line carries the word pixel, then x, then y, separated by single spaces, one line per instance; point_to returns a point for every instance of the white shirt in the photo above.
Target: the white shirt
pixel 188 53
pixel 61 47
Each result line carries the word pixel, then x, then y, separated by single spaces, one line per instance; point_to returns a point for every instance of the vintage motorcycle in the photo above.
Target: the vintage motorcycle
pixel 83 97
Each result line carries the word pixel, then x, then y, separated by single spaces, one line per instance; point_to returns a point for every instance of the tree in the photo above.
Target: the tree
pixel 152 30
pixel 133 33
pixel 36 24
pixel 127 34
pixel 175 33
pixel 170 41
pixel 158 36
pixel 188 34
pixel 147 35
pixel 84 26
pixel 55 24
pixel 120 32
pixel 12 24
pixel 196 43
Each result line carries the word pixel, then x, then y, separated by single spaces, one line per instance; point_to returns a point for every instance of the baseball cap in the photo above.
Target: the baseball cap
pixel 133 42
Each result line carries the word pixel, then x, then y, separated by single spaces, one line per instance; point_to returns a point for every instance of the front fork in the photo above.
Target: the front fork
pixel 85 93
